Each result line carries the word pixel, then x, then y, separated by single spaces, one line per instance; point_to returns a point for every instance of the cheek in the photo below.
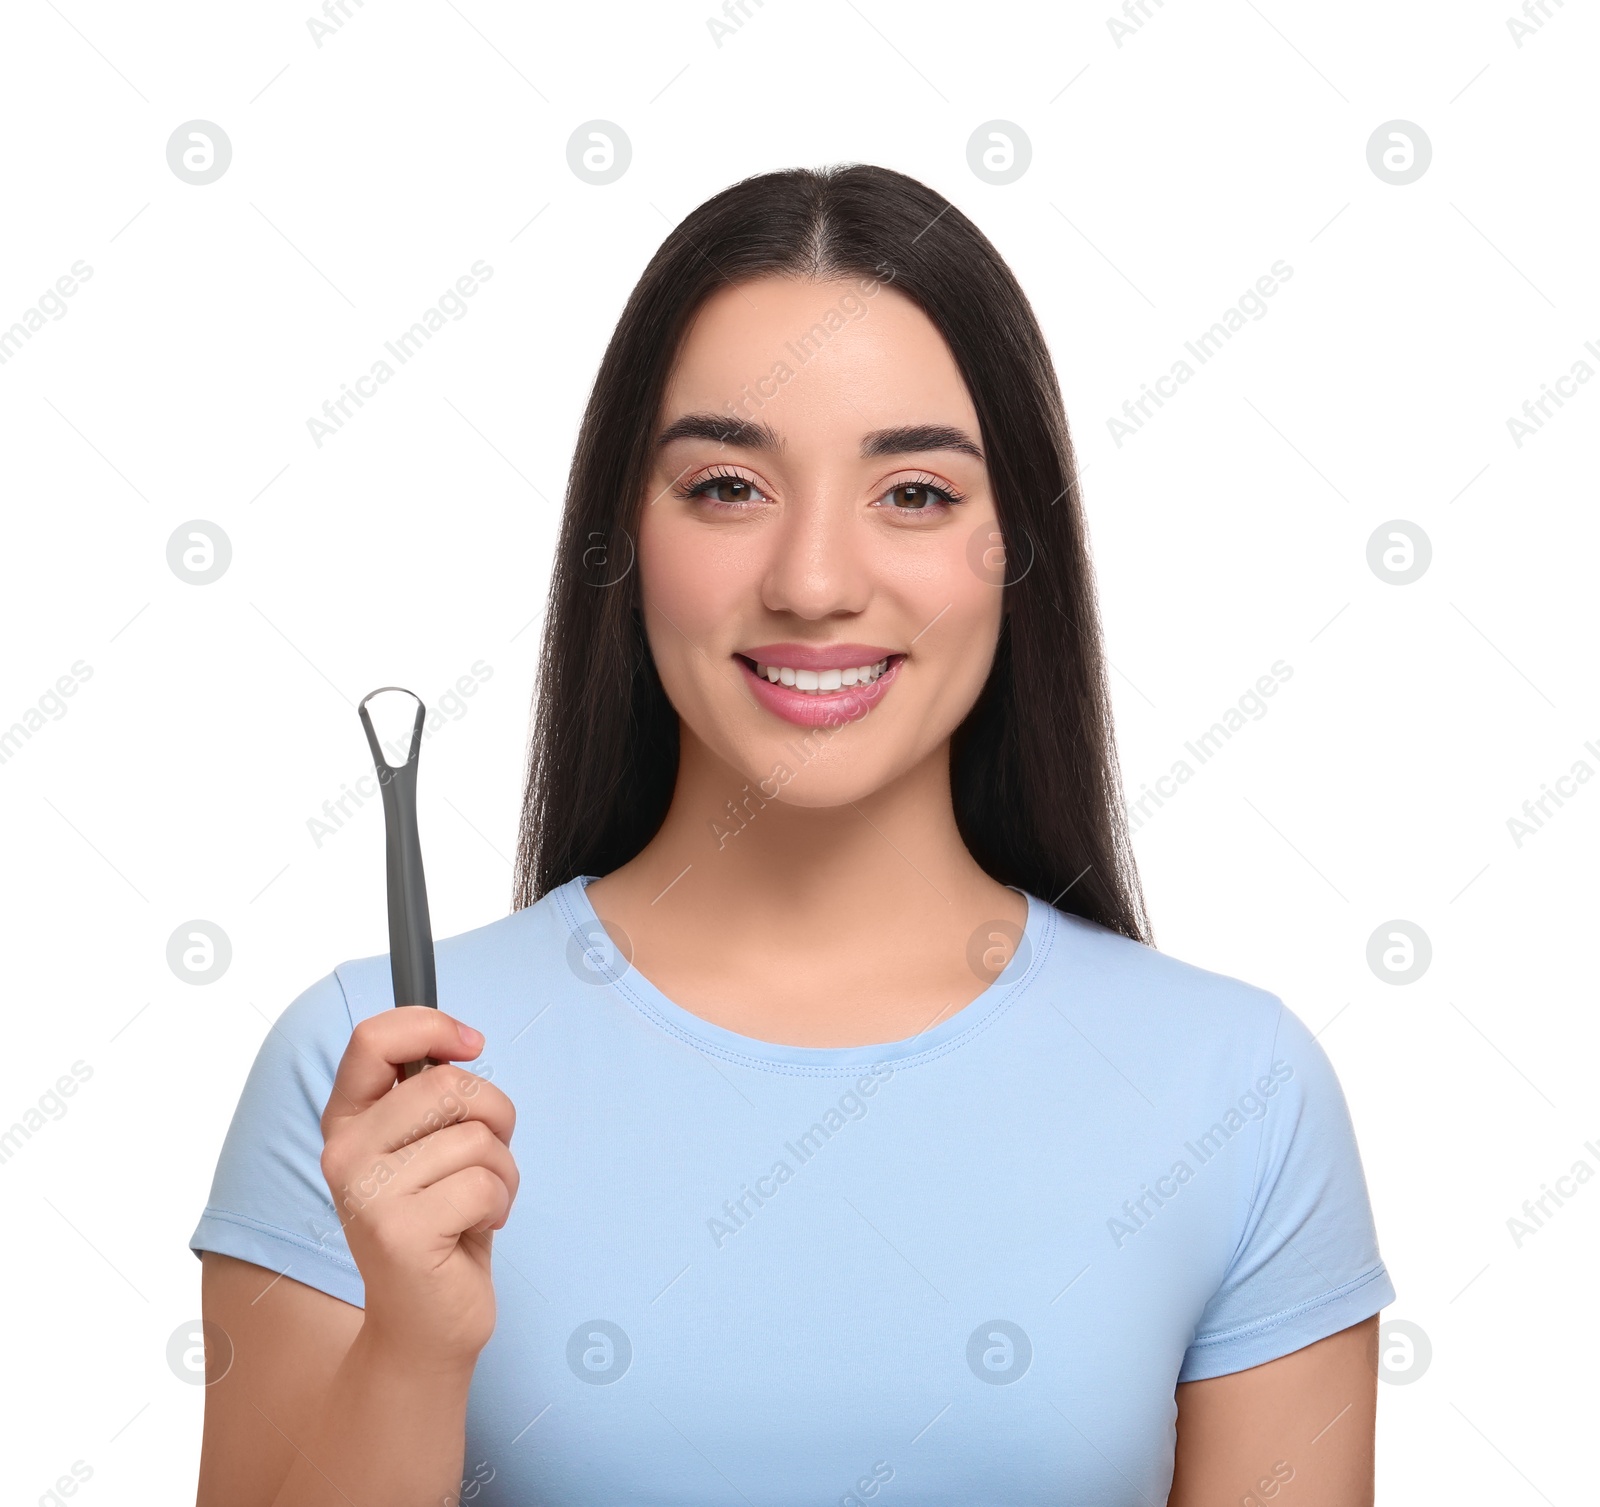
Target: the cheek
pixel 692 583
pixel 964 633
pixel 665 562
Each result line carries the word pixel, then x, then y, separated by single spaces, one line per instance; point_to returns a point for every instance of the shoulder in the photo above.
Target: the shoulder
pixel 1145 1007
pixel 1101 967
pixel 499 960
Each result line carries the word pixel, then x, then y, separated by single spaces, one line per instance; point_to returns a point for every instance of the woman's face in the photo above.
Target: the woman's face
pixel 821 589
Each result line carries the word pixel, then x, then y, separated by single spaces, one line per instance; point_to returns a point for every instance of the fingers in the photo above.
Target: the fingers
pixel 381 1044
pixel 438 1157
pixel 423 1105
pixel 466 1200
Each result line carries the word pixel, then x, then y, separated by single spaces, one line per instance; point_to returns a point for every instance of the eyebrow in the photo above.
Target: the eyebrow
pixel 752 434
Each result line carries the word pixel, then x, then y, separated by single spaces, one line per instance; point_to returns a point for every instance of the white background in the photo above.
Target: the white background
pixel 1167 174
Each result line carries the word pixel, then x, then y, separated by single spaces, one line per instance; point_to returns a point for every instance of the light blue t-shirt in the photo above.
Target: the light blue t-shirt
pixel 961 1269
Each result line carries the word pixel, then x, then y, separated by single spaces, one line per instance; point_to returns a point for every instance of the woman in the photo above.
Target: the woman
pixel 871 1148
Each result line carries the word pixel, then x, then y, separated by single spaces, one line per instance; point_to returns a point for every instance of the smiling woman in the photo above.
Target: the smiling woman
pixel 849 618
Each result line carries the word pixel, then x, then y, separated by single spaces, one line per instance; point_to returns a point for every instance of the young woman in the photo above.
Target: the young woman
pixel 866 1148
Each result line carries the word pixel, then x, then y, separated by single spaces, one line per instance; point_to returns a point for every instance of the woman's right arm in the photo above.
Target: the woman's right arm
pixel 326 1403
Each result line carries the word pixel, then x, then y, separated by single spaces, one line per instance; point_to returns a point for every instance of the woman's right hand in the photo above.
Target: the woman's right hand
pixel 421 1174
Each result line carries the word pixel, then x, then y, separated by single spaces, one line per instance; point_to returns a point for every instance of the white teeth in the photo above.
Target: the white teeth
pixel 820 682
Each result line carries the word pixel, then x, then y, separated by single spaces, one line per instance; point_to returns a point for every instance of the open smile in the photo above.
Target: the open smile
pixel 819 697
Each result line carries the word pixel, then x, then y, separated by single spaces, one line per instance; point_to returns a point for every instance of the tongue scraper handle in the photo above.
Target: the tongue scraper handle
pixel 410 931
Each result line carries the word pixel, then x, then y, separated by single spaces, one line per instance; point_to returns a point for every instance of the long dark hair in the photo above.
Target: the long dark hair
pixel 1037 793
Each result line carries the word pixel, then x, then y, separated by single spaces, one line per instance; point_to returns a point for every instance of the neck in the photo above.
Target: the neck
pixel 814 925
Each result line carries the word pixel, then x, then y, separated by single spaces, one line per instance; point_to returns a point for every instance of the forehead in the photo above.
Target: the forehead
pixel 847 355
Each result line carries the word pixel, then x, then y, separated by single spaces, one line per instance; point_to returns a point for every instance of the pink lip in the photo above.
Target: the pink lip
pixel 825 708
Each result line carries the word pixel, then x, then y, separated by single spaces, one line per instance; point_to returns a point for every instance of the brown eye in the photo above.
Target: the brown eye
pixel 914 496
pixel 724 491
pixel 729 489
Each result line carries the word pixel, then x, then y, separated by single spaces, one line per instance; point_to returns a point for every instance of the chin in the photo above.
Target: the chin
pixel 827 793
pixel 806 768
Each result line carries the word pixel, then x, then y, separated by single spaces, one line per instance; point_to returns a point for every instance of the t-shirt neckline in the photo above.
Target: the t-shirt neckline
pixel 950 1033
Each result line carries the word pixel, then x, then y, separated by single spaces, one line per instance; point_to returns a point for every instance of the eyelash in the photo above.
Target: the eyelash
pixel 948 496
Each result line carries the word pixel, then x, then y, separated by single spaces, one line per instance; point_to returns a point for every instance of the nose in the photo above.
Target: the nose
pixel 820 563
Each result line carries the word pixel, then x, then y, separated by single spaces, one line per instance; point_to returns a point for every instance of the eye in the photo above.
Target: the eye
pixel 921 495
pixel 724 489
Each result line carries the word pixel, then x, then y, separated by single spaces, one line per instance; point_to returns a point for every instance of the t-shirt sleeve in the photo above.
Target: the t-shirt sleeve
pixel 269 1202
pixel 1307 1263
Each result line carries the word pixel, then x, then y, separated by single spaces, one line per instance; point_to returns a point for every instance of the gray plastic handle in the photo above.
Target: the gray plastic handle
pixel 410 930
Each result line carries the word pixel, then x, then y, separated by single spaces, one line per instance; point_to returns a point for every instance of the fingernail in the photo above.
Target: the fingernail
pixel 469 1037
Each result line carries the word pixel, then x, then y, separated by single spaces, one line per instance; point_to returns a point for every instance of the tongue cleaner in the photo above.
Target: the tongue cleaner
pixel 410 931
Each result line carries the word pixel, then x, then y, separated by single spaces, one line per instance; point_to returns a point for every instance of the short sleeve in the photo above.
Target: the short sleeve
pixel 269 1202
pixel 1307 1262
